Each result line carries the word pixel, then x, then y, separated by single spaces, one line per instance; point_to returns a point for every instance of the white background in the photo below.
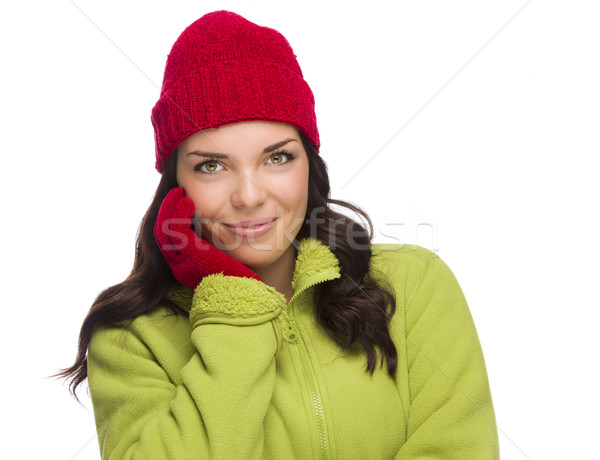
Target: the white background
pixel 472 123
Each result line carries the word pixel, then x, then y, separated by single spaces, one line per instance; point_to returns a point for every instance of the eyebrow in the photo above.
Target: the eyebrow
pixel 268 149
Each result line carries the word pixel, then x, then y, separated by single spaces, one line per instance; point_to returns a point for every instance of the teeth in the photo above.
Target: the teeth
pixel 250 226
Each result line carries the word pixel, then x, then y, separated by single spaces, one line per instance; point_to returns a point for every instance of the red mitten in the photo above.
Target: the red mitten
pixel 190 258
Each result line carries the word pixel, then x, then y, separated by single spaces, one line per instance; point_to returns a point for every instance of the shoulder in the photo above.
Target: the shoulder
pixel 404 260
pixel 411 253
pixel 142 335
pixel 410 268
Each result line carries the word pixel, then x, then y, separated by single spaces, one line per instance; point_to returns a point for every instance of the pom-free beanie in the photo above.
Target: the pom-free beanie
pixel 224 69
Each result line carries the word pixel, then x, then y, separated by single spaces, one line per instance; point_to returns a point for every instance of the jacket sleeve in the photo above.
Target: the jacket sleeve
pixel 217 409
pixel 451 415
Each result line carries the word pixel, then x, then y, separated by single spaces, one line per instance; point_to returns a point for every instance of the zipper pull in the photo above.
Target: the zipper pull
pixel 292 334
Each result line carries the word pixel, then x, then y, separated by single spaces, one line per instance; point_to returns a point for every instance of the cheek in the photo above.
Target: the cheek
pixel 206 201
pixel 295 192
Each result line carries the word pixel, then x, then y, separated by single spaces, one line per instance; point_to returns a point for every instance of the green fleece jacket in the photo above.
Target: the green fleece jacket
pixel 240 374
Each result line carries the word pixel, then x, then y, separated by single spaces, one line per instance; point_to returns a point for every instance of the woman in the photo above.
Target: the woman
pixel 257 322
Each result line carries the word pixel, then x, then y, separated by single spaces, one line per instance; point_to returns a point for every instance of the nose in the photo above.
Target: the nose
pixel 248 192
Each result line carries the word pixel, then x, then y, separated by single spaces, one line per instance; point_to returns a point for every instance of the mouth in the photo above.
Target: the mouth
pixel 254 223
pixel 252 228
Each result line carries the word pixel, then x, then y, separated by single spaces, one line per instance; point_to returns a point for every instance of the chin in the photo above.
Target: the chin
pixel 257 259
pixel 254 259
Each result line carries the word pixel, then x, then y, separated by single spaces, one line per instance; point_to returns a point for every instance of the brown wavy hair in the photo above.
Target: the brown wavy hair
pixel 354 309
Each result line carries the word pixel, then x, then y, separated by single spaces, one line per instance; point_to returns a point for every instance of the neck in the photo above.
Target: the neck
pixel 280 273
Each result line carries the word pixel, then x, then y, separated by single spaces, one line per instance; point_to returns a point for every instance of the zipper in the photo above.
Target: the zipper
pixel 309 371
pixel 311 379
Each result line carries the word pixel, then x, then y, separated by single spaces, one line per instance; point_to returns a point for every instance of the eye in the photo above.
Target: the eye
pixel 211 167
pixel 281 157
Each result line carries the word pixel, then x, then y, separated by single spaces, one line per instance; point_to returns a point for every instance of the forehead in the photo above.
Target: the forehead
pixel 247 136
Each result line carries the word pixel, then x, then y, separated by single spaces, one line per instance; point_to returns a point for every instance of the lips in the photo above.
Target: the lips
pixel 252 223
pixel 252 228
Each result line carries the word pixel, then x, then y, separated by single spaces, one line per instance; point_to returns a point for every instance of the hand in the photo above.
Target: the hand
pixel 190 258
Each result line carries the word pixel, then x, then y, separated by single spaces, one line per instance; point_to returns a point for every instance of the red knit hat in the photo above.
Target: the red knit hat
pixel 223 69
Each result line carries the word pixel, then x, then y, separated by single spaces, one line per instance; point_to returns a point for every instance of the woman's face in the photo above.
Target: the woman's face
pixel 249 184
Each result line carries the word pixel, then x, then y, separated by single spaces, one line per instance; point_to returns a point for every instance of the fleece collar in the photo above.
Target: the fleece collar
pixel 315 263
